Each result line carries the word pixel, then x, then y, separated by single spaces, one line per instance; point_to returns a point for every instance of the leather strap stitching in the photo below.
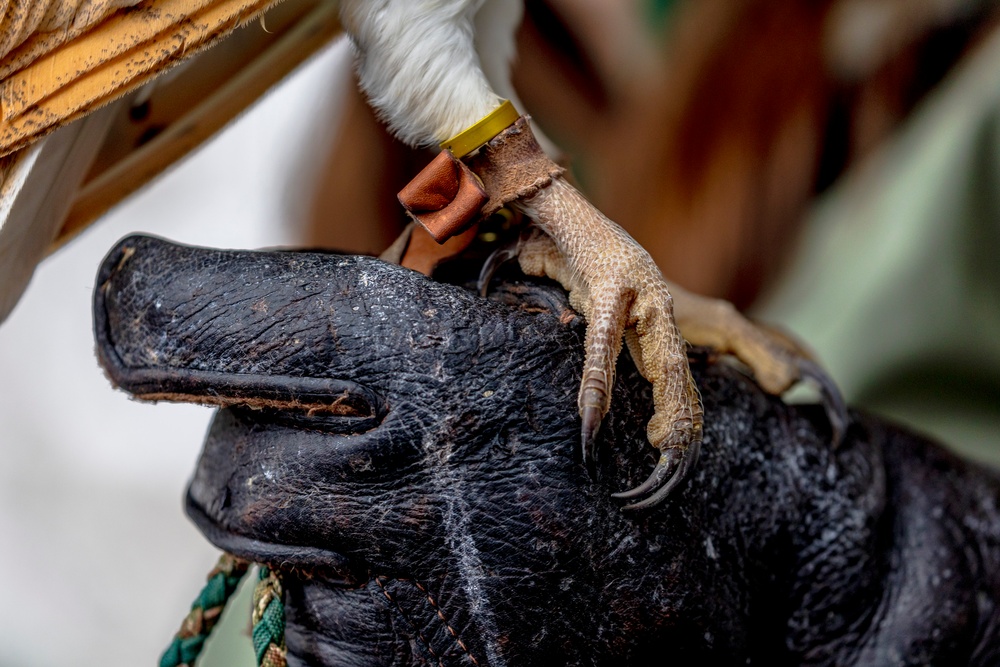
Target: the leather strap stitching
pixel 458 640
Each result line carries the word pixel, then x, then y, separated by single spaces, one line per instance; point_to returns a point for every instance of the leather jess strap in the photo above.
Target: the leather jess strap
pixel 445 197
pixel 450 195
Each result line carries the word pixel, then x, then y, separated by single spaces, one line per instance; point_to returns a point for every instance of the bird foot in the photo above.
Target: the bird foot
pixel 620 291
pixel 624 298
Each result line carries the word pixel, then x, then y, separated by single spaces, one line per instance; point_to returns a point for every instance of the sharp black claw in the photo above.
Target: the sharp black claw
pixel 670 471
pixel 591 419
pixel 497 258
pixel 652 482
pixel 833 401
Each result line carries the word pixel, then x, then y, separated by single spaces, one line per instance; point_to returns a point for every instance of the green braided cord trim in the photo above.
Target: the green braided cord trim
pixel 205 612
pixel 269 620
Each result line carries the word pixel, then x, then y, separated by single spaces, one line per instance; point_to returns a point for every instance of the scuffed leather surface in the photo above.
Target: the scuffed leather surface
pixel 446 519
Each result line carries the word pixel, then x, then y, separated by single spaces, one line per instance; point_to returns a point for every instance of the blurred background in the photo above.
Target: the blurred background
pixel 830 166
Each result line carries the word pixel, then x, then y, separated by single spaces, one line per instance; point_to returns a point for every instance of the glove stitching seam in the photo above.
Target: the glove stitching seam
pixel 454 634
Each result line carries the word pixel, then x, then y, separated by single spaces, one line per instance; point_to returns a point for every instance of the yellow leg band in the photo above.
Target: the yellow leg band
pixel 482 131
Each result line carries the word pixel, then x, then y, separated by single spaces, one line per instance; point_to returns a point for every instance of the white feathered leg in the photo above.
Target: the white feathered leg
pixel 432 68
pixel 418 64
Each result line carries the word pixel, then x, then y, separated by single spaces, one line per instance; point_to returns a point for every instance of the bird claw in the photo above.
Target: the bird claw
pixel 670 470
pixel 497 258
pixel 590 418
pixel 591 413
pixel 620 291
pixel 615 311
pixel 832 399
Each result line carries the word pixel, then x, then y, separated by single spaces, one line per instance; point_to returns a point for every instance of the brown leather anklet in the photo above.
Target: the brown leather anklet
pixel 512 166
pixel 447 196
